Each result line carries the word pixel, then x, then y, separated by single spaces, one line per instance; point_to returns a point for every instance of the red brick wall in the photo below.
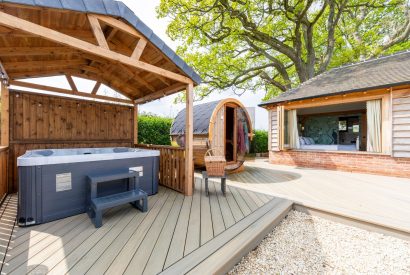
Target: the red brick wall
pixel 351 162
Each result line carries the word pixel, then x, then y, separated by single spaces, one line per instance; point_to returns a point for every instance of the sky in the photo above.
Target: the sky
pixel 145 10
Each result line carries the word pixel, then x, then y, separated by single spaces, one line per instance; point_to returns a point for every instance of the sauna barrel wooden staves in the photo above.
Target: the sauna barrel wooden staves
pixel 223 126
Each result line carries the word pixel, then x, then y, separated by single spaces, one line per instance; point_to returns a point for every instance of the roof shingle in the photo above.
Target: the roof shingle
pixel 382 72
pixel 202 116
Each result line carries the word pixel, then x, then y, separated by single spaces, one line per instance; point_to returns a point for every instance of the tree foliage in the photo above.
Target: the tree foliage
pixel 153 129
pixel 274 45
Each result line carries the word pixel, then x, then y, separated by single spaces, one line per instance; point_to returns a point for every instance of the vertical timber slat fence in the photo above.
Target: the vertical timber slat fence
pixel 3 171
pixel 172 166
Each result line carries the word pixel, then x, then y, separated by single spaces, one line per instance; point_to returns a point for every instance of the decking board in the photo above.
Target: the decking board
pixel 217 219
pixel 177 246
pixel 129 242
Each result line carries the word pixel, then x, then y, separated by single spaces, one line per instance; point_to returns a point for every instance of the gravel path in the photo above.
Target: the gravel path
pixel 303 244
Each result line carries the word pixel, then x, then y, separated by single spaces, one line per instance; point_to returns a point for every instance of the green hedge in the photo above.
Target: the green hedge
pixel 153 129
pixel 259 143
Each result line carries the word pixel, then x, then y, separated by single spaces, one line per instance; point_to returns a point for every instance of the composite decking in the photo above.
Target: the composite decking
pixel 379 200
pixel 177 235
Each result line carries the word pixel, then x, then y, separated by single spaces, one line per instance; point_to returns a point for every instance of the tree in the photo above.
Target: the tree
pixel 274 45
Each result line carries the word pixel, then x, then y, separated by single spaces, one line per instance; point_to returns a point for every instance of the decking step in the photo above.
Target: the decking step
pixel 102 203
pixel 219 255
pixel 120 175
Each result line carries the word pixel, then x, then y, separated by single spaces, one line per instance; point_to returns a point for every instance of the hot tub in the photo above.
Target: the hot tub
pixel 53 182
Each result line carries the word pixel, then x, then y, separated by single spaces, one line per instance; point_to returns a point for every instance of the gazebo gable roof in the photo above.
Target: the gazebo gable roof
pixel 117 22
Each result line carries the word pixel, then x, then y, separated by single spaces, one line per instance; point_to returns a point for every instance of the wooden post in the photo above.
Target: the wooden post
pixel 5 122
pixel 135 124
pixel 189 152
pixel 387 124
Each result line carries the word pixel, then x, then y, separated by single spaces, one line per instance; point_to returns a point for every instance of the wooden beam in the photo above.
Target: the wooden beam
pixel 71 82
pixel 111 34
pixel 134 75
pixel 337 99
pixel 113 84
pixel 67 92
pixel 92 69
pixel 119 25
pixel 98 33
pixel 25 65
pixel 145 83
pixel 34 51
pixel 5 115
pixel 58 37
pixel 387 124
pixel 82 34
pixel 164 92
pixel 96 87
pixel 43 73
pixel 136 54
pixel 189 138
pixel 164 80
pixel 135 126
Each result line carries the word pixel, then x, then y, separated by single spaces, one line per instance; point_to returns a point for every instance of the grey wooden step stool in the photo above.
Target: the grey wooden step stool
pixel 206 177
pixel 134 195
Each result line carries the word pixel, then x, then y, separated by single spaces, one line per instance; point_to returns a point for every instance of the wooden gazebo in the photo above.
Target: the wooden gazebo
pixel 102 41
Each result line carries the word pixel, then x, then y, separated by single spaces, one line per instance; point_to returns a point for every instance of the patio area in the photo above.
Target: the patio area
pixel 179 234
pixel 378 200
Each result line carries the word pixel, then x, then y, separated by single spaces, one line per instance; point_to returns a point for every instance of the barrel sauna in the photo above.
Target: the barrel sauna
pixel 223 126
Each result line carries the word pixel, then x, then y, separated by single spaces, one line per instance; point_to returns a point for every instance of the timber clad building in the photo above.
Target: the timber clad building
pixel 353 118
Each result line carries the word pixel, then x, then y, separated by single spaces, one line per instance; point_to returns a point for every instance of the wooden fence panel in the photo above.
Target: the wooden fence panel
pixel 3 171
pixel 51 122
pixel 172 166
pixel 43 117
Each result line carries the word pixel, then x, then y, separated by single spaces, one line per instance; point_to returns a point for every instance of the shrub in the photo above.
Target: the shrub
pixel 153 129
pixel 259 143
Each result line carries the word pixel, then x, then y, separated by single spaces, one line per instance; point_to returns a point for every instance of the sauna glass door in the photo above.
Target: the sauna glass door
pixel 230 134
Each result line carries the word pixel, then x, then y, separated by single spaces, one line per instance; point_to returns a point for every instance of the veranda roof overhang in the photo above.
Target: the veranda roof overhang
pixel 100 40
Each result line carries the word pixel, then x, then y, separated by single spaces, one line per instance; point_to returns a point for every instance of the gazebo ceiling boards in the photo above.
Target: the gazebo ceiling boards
pixel 45 41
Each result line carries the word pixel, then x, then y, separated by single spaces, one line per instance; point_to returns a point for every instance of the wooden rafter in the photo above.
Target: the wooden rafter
pixel 164 92
pixel 96 87
pixel 119 25
pixel 71 82
pixel 43 64
pixel 60 38
pixel 111 34
pixel 164 80
pixel 67 92
pixel 145 83
pixel 109 83
pixel 43 73
pixel 98 33
pixel 35 51
pixel 133 75
pixel 136 54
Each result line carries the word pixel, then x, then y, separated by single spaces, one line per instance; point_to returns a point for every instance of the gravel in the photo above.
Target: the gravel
pixel 303 244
